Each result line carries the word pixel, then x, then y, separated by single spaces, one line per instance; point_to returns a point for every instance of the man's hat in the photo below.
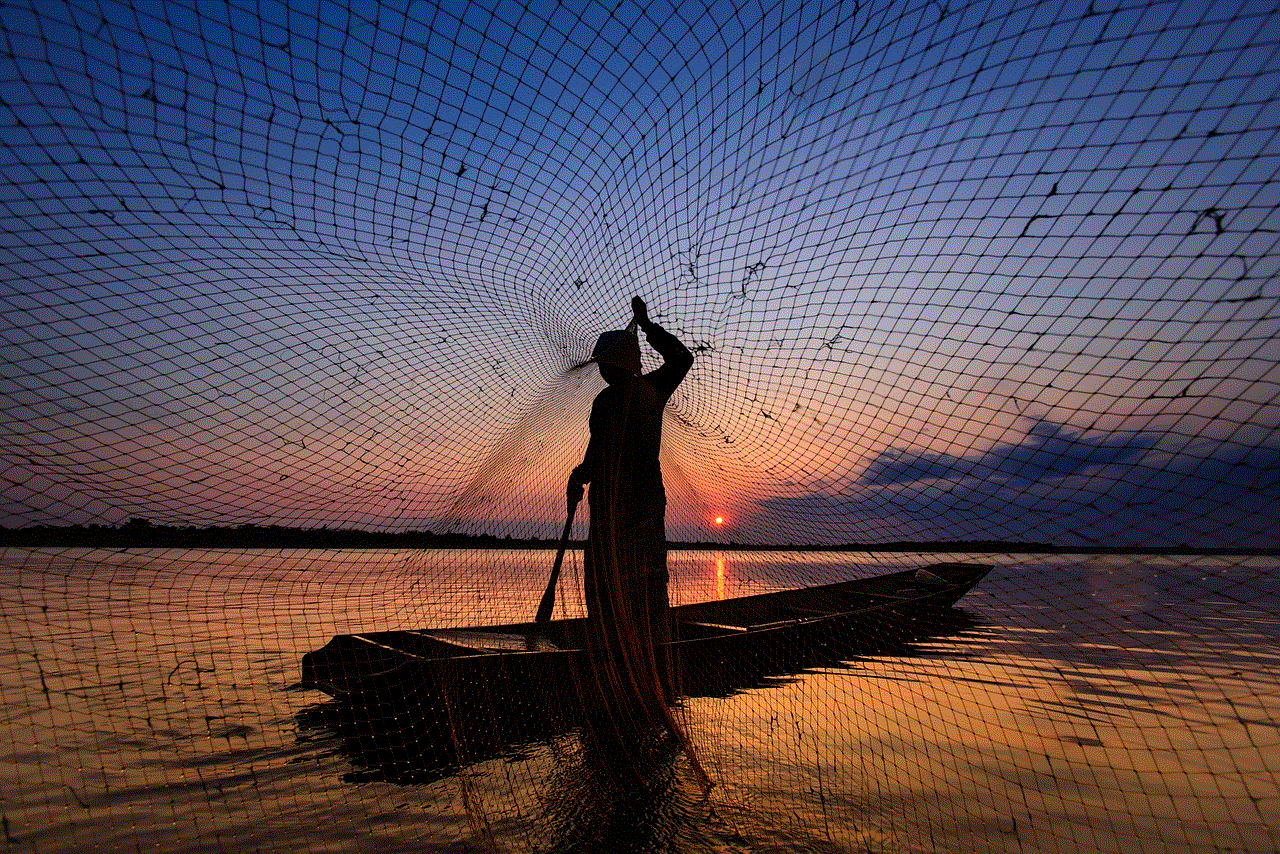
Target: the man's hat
pixel 618 348
pixel 615 339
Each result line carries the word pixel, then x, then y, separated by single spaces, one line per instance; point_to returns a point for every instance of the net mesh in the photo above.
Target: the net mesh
pixel 295 299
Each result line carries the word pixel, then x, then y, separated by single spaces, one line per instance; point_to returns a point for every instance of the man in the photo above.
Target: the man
pixel 625 565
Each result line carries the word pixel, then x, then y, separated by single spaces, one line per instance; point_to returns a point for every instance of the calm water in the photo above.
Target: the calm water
pixel 1098 704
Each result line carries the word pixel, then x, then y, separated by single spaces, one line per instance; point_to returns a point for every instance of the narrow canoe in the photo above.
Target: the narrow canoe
pixel 706 635
pixel 410 707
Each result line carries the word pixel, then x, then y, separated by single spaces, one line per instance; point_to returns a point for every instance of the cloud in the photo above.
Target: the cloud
pixel 1049 452
pixel 1056 487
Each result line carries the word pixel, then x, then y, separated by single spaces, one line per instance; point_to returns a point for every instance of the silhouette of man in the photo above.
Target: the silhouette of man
pixel 625 564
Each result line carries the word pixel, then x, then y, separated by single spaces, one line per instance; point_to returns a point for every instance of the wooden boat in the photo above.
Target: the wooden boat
pixel 412 706
pixel 703 633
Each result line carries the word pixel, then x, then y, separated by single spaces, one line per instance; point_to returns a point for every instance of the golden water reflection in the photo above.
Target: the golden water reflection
pixel 702 575
pixel 1104 704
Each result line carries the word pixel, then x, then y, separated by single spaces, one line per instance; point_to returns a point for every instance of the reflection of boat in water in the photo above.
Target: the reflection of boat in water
pixel 415 705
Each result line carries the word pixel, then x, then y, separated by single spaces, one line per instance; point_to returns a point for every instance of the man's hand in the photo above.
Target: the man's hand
pixel 641 311
pixel 573 492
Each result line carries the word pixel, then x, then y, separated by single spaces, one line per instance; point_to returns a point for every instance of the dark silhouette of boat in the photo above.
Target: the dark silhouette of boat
pixel 412 706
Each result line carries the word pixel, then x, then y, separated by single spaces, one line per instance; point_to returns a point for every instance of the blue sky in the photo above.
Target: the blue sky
pixel 290 263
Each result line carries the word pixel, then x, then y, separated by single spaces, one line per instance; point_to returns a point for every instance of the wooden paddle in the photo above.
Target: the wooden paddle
pixel 549 595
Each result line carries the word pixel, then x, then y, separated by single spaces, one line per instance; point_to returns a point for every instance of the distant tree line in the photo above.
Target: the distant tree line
pixel 142 533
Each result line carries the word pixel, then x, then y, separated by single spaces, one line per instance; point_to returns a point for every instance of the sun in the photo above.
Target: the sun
pixel 719 520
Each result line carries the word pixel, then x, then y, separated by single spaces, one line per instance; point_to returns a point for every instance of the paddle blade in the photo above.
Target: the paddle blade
pixel 549 595
pixel 548 602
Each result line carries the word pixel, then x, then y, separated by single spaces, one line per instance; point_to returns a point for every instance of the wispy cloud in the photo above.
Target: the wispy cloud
pixel 1057 486
pixel 1049 452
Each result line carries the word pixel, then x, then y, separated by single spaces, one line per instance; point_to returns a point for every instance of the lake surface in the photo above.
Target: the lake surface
pixel 1092 703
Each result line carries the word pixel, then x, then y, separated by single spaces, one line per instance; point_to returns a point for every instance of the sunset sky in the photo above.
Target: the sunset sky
pixel 949 271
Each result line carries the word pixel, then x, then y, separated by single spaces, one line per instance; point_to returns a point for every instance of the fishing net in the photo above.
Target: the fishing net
pixel 296 301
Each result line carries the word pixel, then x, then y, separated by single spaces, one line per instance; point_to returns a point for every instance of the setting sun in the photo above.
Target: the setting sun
pixel 719 520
